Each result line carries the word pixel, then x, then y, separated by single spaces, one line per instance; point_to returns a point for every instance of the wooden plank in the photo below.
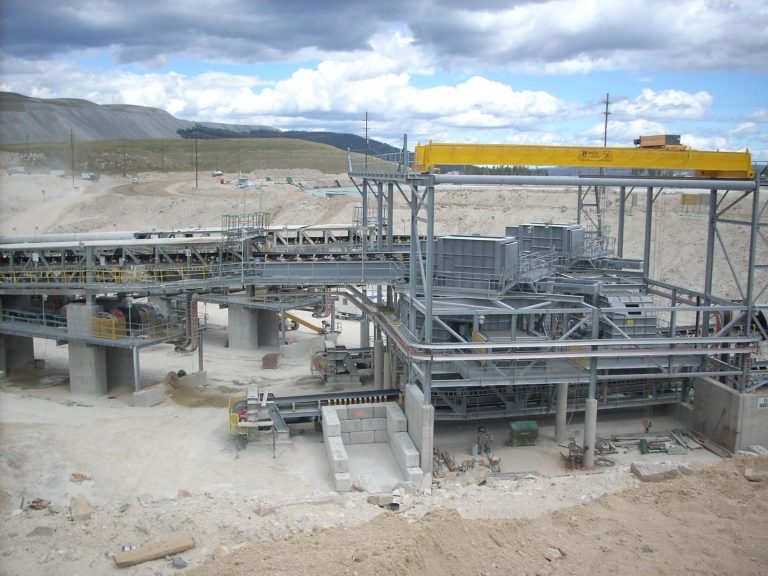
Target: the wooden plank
pixel 155 550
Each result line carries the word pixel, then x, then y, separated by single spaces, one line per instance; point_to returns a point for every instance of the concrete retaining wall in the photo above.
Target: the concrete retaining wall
pixel 735 420
pixel 421 424
pixel 368 424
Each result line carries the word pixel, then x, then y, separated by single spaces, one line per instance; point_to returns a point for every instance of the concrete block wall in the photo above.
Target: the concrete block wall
pixel 368 424
pixel 421 424
pixel 334 449
pixel 360 422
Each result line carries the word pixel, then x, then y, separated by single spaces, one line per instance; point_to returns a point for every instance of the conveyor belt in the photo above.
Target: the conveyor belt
pixel 307 407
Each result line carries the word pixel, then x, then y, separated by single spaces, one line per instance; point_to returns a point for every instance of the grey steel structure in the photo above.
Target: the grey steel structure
pixel 484 326
pixel 583 305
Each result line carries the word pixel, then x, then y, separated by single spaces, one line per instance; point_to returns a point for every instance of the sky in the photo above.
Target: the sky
pixel 488 71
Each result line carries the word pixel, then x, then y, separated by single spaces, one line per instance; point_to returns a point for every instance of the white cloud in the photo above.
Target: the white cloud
pixel 664 105
pixel 623 133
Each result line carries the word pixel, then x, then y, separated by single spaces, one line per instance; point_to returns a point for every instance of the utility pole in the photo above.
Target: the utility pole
pixel 606 114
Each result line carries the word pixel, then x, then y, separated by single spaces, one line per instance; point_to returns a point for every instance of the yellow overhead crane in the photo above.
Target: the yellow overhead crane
pixel 670 157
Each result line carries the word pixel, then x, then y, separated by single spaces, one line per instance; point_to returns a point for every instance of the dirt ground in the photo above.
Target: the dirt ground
pixel 150 473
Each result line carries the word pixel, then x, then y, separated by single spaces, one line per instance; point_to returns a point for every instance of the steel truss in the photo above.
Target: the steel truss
pixel 699 333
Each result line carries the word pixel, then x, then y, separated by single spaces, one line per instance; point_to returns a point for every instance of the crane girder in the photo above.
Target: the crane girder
pixel 705 163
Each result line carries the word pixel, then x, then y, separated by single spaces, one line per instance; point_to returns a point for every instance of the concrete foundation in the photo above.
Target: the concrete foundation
pixel 268 328
pixel 243 328
pixel 387 369
pixel 87 364
pixel 590 432
pixel 561 412
pixel 18 352
pixel 378 365
pixel 87 369
pixel 365 331
pixel 733 420
pixel 120 370
pixel 421 426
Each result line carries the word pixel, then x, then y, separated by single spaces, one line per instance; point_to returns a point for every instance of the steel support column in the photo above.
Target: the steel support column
pixel 648 229
pixel 622 207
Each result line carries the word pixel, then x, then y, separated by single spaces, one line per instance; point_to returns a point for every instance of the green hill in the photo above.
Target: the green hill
pixel 170 155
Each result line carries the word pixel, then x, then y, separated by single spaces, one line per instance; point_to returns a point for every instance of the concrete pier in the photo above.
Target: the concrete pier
pixel 590 432
pixel 365 331
pixel 378 365
pixel 243 326
pixel 87 364
pixel 120 369
pixel 561 412
pixel 268 328
pixel 16 352
pixel 87 369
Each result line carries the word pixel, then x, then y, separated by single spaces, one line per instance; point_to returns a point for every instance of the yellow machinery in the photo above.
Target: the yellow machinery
pixel 654 156
pixel 299 320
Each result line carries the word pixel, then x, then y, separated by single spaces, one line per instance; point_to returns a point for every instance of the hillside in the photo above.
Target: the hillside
pixel 340 140
pixel 156 155
pixel 51 120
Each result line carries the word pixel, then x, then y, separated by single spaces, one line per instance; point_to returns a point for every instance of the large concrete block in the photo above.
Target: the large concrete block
pixel 194 380
pixel 380 410
pixel 351 425
pixel 337 454
pixel 380 436
pixel 150 396
pixel 654 472
pixel 404 450
pixel 331 424
pixel 345 437
pixel 374 424
pixel 396 421
pixel 342 481
pixel 361 437
pixel 361 411
pixel 342 412
pixel 414 474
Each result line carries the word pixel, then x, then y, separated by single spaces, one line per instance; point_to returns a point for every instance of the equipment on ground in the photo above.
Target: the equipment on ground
pixel 524 433
pixel 574 460
pixel 338 364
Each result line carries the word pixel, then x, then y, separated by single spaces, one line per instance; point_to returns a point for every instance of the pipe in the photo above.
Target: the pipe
pixel 418 351
pixel 594 181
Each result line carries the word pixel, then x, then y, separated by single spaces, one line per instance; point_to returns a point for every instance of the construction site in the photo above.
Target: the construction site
pixel 396 366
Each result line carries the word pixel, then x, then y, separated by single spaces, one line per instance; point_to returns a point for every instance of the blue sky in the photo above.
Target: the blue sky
pixel 482 71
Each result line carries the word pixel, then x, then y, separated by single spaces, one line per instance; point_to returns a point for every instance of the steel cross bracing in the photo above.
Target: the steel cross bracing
pixel 670 360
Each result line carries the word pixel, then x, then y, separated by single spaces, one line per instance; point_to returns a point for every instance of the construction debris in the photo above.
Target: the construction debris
pixel 80 508
pixel 39 504
pixel 648 472
pixel 156 550
pixel 79 477
pixel 756 475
